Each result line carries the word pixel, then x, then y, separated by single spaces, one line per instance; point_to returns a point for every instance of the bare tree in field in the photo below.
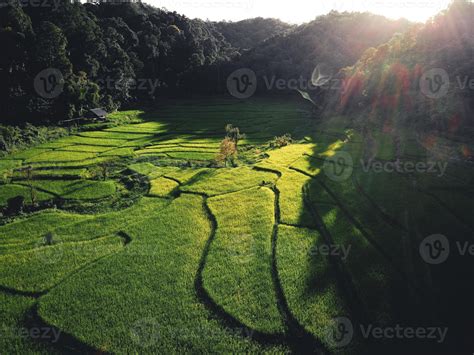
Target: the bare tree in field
pixel 227 151
pixel 233 133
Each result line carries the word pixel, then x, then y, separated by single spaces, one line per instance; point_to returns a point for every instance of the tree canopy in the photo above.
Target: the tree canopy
pixel 113 55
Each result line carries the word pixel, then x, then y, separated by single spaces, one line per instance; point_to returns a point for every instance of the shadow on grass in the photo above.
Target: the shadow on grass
pixel 298 338
pixel 65 343
pixel 227 319
pixel 295 336
pixel 442 293
pixel 62 342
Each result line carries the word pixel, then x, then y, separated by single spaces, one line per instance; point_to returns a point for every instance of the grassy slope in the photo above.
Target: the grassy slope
pixel 148 288
pixel 240 258
pixel 161 301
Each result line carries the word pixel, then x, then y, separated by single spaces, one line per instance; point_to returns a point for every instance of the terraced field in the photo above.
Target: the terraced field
pixel 135 241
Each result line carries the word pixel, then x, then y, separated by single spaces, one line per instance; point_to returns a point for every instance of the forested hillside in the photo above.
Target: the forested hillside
pixel 386 85
pixel 335 40
pixel 104 53
pixel 247 34
pixel 112 55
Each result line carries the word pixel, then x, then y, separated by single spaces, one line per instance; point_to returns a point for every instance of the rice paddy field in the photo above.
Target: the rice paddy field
pixel 133 240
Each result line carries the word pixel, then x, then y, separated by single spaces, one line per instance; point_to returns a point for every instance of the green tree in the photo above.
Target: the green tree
pixel 51 49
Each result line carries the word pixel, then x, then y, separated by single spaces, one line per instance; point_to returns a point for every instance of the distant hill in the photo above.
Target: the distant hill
pixel 332 42
pixel 249 33
pixel 335 40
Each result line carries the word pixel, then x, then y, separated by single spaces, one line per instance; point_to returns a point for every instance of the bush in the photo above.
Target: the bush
pixel 13 138
pixel 15 205
pixel 281 141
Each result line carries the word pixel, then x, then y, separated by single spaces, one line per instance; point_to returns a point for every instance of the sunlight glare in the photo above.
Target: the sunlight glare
pixel 299 11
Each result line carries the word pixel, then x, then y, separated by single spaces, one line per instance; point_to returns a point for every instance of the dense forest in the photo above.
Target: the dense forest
pixel 108 55
pixel 383 87
pixel 247 34
pixel 113 56
pixel 335 40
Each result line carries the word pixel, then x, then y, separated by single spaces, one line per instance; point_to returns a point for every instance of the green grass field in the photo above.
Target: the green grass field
pixel 155 248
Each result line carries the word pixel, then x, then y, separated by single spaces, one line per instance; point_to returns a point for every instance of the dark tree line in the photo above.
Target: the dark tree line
pixel 113 55
pixel 248 34
pixel 333 41
pixel 108 54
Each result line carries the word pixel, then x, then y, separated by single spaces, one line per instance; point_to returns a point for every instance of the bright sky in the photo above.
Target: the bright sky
pixel 299 11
